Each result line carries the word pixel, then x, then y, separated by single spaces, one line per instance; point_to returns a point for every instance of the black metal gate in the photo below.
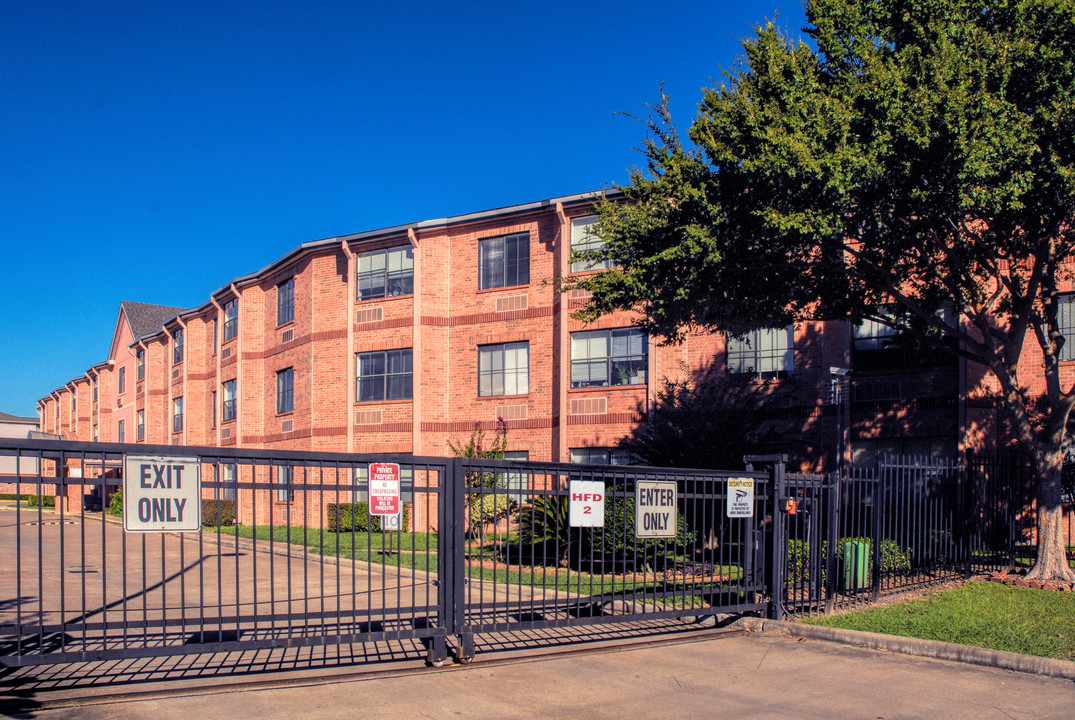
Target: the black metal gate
pixel 288 555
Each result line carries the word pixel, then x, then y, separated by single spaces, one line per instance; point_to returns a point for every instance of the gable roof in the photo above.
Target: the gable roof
pixel 9 418
pixel 146 319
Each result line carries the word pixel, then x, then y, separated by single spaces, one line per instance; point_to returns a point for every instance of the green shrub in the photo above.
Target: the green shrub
pixel 894 558
pixel 355 517
pixel 115 504
pixel 545 520
pixel 48 501
pixel 218 513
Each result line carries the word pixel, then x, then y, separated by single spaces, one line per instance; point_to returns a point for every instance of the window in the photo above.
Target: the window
pixel 601 358
pixel 504 369
pixel 583 240
pixel 214 337
pixel 229 491
pixel 227 408
pixel 177 347
pixel 285 390
pixel 74 405
pixel 93 434
pixel 284 490
pixel 517 482
pixel 121 434
pixel 383 375
pixel 213 401
pixel 504 261
pixel 1066 324
pixel 600 456
pixel 141 355
pixel 866 453
pixel 765 354
pixel 177 414
pixel 285 302
pixel 386 273
pixel 95 390
pixel 121 381
pixel 231 319
pixel 140 425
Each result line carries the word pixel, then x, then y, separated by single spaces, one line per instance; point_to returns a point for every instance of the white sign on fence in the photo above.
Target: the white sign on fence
pixel 161 494
pixel 656 515
pixel 587 503
pixel 740 497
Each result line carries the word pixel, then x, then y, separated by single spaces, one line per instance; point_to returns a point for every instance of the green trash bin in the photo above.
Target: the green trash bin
pixel 856 564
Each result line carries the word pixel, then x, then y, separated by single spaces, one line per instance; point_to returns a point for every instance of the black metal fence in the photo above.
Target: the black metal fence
pixel 910 522
pixel 76 586
pixel 287 553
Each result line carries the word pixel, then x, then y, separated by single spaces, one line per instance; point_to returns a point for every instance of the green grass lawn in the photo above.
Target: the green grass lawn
pixel 983 614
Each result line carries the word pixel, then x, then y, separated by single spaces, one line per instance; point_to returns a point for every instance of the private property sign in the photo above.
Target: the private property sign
pixel 655 509
pixel 384 488
pixel 161 494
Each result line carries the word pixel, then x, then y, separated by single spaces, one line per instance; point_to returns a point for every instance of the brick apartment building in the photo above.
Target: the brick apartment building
pixel 399 340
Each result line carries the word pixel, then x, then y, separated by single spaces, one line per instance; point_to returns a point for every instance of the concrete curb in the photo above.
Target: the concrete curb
pixel 914 646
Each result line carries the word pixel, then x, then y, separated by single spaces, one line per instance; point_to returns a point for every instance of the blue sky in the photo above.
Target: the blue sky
pixel 153 151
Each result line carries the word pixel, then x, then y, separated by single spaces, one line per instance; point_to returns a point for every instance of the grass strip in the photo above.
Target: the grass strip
pixel 981 614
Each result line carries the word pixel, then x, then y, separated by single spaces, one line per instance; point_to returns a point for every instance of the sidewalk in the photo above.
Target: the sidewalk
pixel 731 675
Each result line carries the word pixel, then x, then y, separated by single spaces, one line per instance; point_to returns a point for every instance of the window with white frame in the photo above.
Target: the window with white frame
pixel 212 400
pixel 230 490
pixel 600 456
pixel 386 273
pixel 602 358
pixel 384 375
pixel 177 414
pixel 121 381
pixel 285 302
pixel 285 491
pixel 228 406
pixel 177 346
pixel 140 425
pixel 504 369
pixel 141 357
pixel 231 319
pixel 504 261
pixel 285 390
pixel 584 240
pixel 764 354
pixel 1065 317
pixel 121 431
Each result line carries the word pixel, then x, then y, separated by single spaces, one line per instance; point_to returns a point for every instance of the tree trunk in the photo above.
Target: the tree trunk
pixel 1052 562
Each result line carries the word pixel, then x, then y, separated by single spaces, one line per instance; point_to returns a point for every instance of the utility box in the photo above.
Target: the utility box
pixel 856 564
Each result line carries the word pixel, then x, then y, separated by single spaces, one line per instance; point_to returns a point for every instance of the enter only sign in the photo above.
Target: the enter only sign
pixel 655 509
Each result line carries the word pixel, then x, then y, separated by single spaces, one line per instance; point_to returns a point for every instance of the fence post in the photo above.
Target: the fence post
pixel 832 514
pixel 880 488
pixel 779 545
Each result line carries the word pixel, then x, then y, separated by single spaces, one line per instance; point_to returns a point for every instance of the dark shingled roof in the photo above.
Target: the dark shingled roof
pixel 146 319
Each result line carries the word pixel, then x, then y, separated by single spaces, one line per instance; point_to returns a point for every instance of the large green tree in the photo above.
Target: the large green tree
pixel 910 153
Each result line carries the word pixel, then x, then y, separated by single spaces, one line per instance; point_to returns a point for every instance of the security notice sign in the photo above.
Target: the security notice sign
pixel 161 494
pixel 655 509
pixel 587 503
pixel 740 497
pixel 384 488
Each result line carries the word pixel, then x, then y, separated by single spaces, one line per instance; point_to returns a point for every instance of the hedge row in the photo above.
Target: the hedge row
pixel 31 500
pixel 218 513
pixel 355 517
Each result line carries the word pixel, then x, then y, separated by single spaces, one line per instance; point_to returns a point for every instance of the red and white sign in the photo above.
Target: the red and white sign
pixel 587 506
pixel 384 488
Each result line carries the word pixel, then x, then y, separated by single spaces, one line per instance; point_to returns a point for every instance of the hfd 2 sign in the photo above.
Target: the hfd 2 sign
pixel 587 503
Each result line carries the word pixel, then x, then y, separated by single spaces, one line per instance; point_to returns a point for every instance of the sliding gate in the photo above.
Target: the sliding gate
pixel 287 554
